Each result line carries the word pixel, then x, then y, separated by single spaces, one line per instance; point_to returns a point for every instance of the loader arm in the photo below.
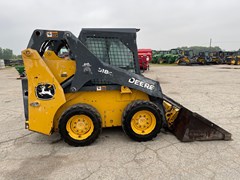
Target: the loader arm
pixel 89 67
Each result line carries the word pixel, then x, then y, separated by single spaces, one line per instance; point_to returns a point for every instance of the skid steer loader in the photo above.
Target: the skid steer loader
pixel 78 86
pixel 187 58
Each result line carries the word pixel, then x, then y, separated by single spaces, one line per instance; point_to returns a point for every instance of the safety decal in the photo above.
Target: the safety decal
pixel 52 34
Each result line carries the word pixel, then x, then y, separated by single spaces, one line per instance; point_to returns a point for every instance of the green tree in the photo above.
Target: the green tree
pixel 197 49
pixel 7 53
pixel 19 56
pixel 1 53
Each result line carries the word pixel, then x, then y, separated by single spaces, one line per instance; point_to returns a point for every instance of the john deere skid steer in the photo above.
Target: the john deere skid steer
pixel 78 86
pixel 187 58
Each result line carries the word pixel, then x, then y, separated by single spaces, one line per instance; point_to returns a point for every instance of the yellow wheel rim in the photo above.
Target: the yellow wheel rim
pixel 80 127
pixel 143 122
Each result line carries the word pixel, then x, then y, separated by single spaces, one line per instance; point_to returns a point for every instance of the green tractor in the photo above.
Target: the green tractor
pixel 158 57
pixel 173 56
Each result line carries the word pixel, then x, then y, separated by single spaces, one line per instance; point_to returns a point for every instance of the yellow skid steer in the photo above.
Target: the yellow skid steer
pixel 78 86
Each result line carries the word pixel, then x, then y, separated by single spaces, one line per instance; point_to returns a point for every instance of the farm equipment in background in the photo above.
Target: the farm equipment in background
pixel 227 56
pixel 204 58
pixel 159 57
pixel 15 62
pixel 144 58
pixel 216 57
pixel 166 57
pixel 98 84
pixel 233 58
pixel 21 71
pixel 174 55
pixel 171 56
pixel 18 64
pixel 187 58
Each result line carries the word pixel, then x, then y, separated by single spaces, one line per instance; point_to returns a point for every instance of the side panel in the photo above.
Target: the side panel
pixel 61 68
pixel 45 94
pixel 110 104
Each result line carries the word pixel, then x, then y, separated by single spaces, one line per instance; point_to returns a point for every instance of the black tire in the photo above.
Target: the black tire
pixel 134 108
pixel 80 110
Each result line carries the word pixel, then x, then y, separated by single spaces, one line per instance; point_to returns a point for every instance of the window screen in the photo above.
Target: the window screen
pixel 111 51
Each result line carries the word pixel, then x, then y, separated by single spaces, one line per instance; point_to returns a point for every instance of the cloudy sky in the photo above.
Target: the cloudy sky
pixel 164 24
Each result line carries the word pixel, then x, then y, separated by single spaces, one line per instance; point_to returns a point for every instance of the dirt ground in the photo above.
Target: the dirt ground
pixel 212 91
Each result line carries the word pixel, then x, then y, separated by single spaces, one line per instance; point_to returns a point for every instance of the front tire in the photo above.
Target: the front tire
pixel 142 120
pixel 80 125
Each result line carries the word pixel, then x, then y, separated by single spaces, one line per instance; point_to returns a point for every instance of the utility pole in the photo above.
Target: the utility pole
pixel 210 42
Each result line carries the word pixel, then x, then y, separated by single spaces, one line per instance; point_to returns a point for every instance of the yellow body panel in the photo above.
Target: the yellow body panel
pixel 41 112
pixel 61 68
pixel 110 104
pixel 44 115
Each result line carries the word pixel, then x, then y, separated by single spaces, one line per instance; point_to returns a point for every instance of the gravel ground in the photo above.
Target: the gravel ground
pixel 212 91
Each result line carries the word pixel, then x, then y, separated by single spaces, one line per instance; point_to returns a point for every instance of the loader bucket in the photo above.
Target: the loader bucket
pixel 190 126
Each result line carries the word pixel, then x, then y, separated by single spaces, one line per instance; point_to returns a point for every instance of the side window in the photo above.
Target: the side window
pixel 120 55
pixel 111 51
pixel 98 46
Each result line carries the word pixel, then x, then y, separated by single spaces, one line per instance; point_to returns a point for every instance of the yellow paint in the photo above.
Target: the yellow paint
pixel 41 117
pixel 201 60
pixel 44 116
pixel 171 113
pixel 233 61
pixel 143 122
pixel 125 90
pixel 61 68
pixel 183 59
pixel 80 127
pixel 110 104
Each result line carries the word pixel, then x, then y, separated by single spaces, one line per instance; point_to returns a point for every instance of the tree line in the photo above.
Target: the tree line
pixel 8 54
pixel 197 49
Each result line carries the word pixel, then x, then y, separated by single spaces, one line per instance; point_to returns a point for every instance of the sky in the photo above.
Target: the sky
pixel 164 24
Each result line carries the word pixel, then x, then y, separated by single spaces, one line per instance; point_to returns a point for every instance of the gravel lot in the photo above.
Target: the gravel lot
pixel 212 91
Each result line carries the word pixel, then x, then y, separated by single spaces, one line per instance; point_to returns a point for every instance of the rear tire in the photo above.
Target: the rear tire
pixel 80 125
pixel 142 120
